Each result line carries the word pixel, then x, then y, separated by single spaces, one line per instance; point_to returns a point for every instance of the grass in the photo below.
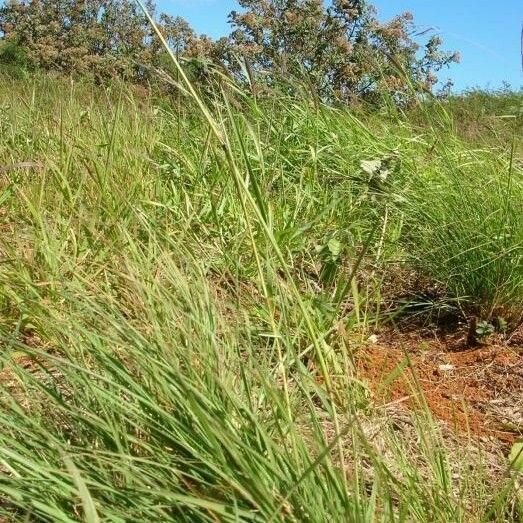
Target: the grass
pixel 183 291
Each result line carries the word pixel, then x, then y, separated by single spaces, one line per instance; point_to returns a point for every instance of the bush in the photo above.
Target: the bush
pixel 339 51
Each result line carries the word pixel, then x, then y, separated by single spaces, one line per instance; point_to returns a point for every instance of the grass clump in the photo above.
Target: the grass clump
pixel 464 229
pixel 182 295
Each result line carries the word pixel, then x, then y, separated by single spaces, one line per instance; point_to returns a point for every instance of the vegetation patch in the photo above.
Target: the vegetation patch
pixel 235 300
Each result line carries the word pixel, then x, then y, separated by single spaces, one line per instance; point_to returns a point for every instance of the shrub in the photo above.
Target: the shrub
pixel 340 52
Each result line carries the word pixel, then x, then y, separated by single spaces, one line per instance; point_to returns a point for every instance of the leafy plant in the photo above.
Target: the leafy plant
pixel 330 255
pixel 484 329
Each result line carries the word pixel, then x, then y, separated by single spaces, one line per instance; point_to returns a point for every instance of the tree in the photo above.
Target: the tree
pixel 342 50
pixel 104 37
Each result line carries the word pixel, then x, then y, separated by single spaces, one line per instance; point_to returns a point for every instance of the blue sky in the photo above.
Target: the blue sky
pixel 488 34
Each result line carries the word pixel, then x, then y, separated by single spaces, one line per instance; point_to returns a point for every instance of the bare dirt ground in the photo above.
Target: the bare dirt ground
pixel 474 391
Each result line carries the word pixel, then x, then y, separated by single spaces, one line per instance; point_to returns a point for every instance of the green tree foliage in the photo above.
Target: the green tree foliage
pixel 107 38
pixel 341 50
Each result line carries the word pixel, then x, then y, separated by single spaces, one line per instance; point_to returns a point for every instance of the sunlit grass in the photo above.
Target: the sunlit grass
pixel 181 301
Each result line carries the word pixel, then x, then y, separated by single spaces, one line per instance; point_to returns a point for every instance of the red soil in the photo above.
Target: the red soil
pixel 478 391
